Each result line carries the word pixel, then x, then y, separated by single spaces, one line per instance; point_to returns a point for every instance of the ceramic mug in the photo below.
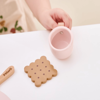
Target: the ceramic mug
pixel 61 42
pixel 3 96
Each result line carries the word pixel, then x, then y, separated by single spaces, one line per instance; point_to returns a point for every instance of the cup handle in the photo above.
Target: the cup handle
pixel 6 74
pixel 60 24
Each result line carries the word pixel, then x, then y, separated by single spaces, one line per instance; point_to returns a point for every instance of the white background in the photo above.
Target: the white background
pixel 78 76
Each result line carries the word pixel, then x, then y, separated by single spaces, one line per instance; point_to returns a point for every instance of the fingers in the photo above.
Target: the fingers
pixel 51 24
pixel 61 16
pixel 70 26
pixel 70 22
pixel 51 18
pixel 67 20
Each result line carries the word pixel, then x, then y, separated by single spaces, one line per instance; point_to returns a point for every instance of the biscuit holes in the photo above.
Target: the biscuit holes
pixel 34 73
pixel 31 68
pixel 37 65
pixel 38 77
pixel 40 69
pixel 45 66
pixel 42 62
pixel 43 73
pixel 48 70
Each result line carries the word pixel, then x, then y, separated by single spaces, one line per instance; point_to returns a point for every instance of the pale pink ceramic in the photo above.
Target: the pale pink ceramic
pixel 61 42
pixel 3 96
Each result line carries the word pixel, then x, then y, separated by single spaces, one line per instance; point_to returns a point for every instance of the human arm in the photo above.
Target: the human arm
pixel 47 16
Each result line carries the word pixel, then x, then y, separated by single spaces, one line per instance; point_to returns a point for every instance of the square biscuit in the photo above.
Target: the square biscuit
pixel 40 71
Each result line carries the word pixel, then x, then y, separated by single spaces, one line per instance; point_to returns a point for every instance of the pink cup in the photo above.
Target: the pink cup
pixel 61 42
pixel 3 96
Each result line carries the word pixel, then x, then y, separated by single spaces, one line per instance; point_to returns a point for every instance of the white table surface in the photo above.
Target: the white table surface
pixel 78 76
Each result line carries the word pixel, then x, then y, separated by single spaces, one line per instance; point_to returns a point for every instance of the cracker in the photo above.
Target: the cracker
pixel 40 71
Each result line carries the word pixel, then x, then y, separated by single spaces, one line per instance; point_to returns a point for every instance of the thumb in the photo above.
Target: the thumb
pixel 51 23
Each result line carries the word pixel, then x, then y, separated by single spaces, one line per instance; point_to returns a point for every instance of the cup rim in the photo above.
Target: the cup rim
pixel 60 27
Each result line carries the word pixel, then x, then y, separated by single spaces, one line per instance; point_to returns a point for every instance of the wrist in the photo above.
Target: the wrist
pixel 42 14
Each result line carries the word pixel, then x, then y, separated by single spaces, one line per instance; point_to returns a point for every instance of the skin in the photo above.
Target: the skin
pixel 47 16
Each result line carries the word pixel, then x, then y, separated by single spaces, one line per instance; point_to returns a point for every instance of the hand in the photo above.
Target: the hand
pixel 50 18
